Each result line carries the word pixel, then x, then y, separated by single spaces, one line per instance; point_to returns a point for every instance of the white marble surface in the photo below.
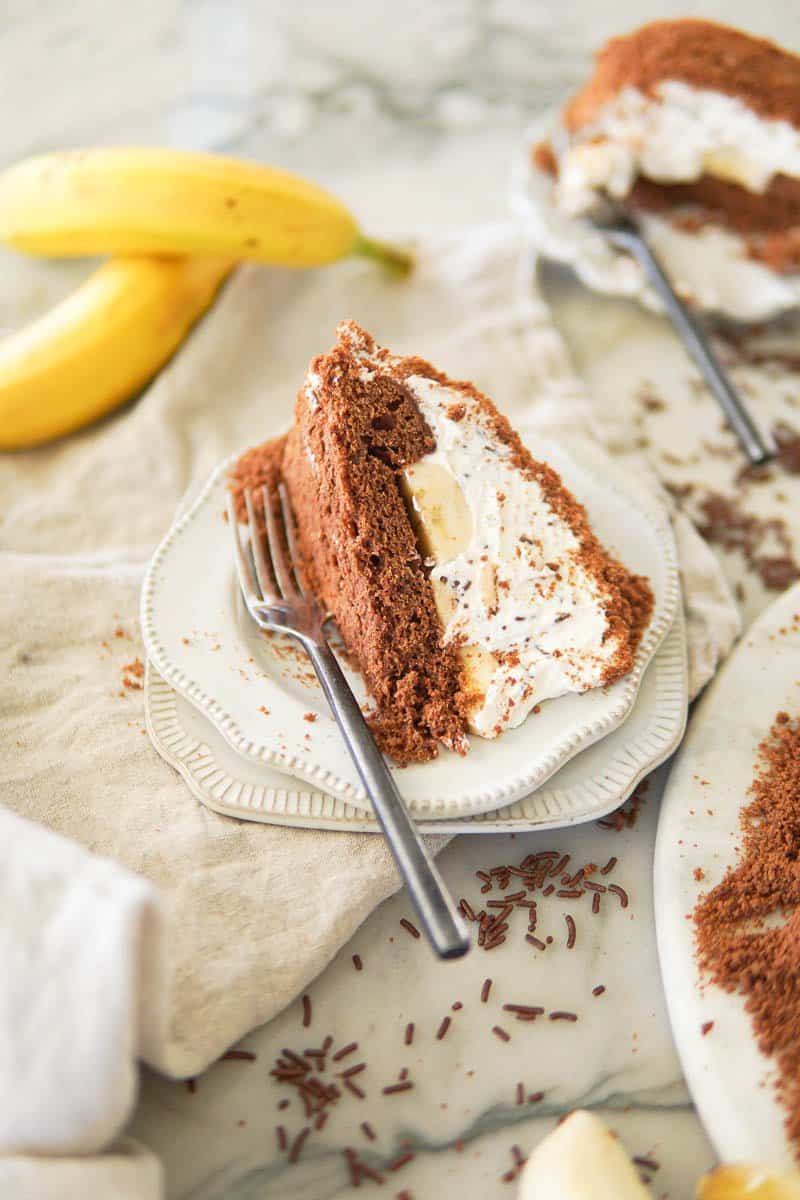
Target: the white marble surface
pixel 413 114
pixel 618 1053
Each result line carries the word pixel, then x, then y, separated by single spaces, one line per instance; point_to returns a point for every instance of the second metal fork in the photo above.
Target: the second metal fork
pixel 620 229
pixel 276 602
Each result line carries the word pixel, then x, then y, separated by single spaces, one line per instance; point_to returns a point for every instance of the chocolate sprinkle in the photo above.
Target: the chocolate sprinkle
pixel 345 1050
pixel 298 1143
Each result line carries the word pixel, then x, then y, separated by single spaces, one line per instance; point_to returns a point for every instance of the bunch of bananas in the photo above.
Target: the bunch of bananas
pixel 175 224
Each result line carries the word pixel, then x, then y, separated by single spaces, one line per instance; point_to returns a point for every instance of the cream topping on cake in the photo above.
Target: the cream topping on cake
pixel 674 136
pixel 513 592
pixel 510 588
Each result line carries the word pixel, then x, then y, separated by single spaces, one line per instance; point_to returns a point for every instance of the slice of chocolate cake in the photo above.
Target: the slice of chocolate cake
pixel 463 576
pixel 695 121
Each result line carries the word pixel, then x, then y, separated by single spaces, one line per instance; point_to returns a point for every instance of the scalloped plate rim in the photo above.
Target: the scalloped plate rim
pixel 165 731
pixel 328 781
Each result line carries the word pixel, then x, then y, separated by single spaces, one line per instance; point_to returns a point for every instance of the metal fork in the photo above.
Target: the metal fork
pixel 276 602
pixel 623 232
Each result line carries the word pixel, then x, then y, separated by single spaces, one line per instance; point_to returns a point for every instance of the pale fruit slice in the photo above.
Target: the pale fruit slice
pixel 580 1160
pixel 441 509
pixel 749 1182
pixel 731 165
pixel 443 525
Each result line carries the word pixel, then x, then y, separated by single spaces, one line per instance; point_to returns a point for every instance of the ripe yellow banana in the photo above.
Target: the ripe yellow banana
pixel 98 347
pixel 159 201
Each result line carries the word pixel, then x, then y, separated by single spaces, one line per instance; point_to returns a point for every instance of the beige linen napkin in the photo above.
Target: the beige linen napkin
pixel 136 923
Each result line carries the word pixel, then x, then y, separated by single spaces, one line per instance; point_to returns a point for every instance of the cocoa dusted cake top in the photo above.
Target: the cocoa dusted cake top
pixel 695 122
pixel 706 56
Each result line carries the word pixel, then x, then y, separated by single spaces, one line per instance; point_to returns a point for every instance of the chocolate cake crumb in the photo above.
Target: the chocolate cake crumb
pixel 722 522
pixel 627 816
pixel 543 157
pixel 787 441
pixel 132 674
pixel 649 398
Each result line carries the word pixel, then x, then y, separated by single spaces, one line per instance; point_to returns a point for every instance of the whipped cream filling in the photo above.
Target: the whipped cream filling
pixel 512 592
pixel 672 137
pixel 709 267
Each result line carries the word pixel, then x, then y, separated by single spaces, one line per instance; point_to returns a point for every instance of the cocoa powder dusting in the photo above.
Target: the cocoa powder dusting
pixel 722 522
pixel 544 158
pixel 627 816
pixel 701 53
pixel 739 945
pixel 787 441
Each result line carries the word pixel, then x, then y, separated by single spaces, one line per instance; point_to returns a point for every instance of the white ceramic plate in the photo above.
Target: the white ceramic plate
pixel 202 642
pixel 591 785
pixel 699 827
pixel 710 268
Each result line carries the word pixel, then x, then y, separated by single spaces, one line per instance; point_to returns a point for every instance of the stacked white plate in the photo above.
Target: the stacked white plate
pixel 240 715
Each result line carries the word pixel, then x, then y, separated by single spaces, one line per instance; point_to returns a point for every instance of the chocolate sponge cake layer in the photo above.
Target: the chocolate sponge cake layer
pixel 350 438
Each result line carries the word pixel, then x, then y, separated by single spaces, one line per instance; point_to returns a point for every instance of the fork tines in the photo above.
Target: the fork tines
pixel 270 586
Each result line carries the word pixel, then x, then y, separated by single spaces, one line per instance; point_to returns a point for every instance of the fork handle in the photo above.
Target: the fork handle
pixel 755 446
pixel 446 931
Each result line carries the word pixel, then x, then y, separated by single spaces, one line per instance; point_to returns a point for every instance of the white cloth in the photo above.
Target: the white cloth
pixel 137 924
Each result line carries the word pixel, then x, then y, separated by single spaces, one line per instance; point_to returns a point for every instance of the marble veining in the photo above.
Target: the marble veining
pixel 412 115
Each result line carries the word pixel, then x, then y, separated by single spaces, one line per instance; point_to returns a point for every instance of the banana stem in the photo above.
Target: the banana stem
pixel 394 258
